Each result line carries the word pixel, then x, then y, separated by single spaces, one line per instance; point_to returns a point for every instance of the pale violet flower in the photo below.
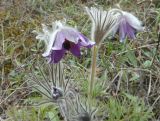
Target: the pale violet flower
pixel 61 39
pixel 128 26
pixel 103 23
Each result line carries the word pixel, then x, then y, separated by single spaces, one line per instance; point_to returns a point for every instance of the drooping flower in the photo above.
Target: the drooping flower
pixel 61 39
pixel 128 26
pixel 103 23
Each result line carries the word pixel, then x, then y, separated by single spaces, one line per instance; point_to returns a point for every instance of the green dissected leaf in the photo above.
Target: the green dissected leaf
pixel 132 58
pixel 147 64
pixel 110 47
pixel 53 116
pixel 131 97
pixel 135 77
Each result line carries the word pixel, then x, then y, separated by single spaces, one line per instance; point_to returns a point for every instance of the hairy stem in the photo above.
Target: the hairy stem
pixel 3 53
pixel 93 72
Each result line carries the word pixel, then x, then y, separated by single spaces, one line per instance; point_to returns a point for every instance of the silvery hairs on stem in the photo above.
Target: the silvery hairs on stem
pixel 103 23
pixel 48 80
pixel 78 109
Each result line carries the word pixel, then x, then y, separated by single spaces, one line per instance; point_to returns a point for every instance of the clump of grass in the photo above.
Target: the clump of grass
pixel 131 108
pixel 33 113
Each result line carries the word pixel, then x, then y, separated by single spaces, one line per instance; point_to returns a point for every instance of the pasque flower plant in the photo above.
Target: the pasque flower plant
pixel 103 23
pixel 62 38
pixel 106 23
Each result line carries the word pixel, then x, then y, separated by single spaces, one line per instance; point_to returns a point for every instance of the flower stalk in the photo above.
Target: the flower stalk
pixel 103 23
pixel 93 72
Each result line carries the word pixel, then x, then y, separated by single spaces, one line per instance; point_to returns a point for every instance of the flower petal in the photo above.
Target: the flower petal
pixel 122 30
pixel 65 34
pixel 59 40
pixel 85 42
pixel 50 44
pixel 57 55
pixel 75 50
pixel 70 34
pixel 133 21
pixel 130 31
